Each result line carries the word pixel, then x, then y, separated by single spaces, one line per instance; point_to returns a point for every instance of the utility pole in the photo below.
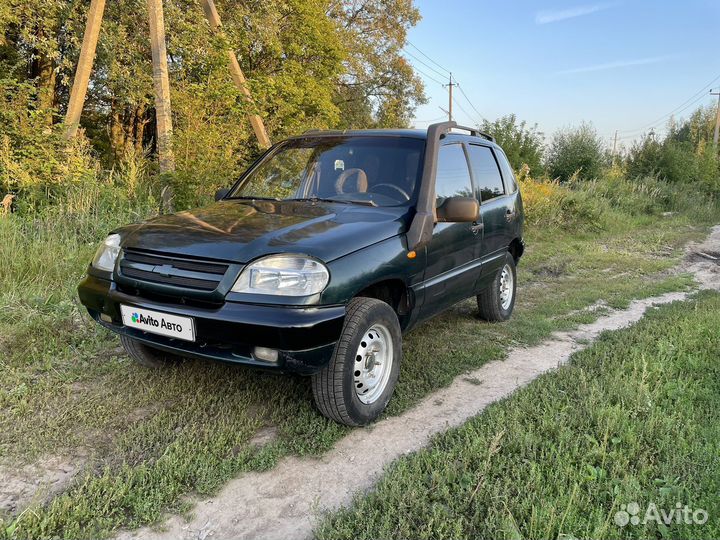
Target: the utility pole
pixel 450 85
pixel 238 76
pixel 614 147
pixel 615 142
pixel 717 119
pixel 161 83
pixel 84 67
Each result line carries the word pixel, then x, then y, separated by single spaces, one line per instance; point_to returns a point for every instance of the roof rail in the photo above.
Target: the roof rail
pixel 444 127
pixel 476 133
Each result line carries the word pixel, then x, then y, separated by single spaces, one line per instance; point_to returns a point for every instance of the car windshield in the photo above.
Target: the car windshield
pixel 375 171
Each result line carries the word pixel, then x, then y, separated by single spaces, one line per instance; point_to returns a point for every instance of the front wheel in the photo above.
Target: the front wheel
pixel 356 385
pixel 497 301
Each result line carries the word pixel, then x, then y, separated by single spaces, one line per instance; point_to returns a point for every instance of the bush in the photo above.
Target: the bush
pixel 542 199
pixel 523 145
pixel 676 161
pixel 548 203
pixel 575 151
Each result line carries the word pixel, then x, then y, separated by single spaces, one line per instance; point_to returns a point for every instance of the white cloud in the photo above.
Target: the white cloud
pixel 545 17
pixel 615 65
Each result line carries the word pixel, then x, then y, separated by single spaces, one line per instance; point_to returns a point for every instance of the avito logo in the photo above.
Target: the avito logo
pixel 139 318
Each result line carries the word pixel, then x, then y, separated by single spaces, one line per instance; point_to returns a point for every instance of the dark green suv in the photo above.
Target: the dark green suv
pixel 318 259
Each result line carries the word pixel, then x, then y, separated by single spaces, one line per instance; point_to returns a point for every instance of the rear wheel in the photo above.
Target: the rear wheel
pixel 147 356
pixel 356 385
pixel 497 301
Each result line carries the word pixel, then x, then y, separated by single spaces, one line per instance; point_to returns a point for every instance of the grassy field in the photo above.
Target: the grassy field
pixel 142 441
pixel 632 419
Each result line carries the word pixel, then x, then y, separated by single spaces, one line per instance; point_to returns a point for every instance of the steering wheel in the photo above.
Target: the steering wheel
pixel 401 191
pixel 361 183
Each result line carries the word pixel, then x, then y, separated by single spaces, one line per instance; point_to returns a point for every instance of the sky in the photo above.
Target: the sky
pixel 622 65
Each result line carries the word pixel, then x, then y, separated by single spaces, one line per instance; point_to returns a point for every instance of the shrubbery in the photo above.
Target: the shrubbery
pixel 522 144
pixel 611 200
pixel 678 162
pixel 575 151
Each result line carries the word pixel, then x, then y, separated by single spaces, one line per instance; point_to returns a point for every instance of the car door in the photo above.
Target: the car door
pixel 494 208
pixel 453 254
pixel 514 207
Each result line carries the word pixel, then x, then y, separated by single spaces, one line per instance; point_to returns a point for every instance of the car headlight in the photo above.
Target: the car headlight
pixel 107 253
pixel 283 275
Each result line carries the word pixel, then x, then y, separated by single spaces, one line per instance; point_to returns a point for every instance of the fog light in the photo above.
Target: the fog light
pixel 265 354
pixel 106 318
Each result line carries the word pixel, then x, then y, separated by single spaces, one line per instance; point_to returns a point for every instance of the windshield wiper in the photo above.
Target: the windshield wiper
pixel 342 201
pixel 242 197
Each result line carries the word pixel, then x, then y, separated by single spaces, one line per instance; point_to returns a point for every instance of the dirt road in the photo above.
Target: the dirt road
pixel 286 501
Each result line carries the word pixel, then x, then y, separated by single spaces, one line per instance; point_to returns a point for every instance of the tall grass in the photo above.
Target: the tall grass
pixel 610 201
pixel 43 251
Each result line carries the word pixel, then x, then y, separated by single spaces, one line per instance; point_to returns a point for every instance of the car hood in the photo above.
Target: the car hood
pixel 239 231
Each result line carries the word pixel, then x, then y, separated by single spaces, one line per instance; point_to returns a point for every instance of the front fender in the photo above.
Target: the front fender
pixel 385 260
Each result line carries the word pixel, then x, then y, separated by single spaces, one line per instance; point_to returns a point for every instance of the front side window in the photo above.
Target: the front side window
pixel 453 176
pixel 485 171
pixel 378 171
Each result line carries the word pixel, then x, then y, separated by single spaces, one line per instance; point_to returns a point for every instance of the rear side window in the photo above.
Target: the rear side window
pixel 453 175
pixel 507 172
pixel 485 171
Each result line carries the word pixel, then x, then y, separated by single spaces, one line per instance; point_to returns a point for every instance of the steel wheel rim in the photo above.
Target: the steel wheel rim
pixel 373 364
pixel 506 287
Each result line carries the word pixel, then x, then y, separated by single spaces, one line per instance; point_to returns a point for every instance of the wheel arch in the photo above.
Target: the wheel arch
pixel 516 249
pixel 395 293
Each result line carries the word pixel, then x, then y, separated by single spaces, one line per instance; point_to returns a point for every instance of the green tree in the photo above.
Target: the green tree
pixel 522 144
pixel 685 155
pixel 378 87
pixel 309 64
pixel 573 151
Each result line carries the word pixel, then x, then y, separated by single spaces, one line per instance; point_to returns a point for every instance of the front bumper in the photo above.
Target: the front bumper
pixel 304 336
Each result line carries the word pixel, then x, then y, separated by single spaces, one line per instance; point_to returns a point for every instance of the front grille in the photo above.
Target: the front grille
pixel 172 270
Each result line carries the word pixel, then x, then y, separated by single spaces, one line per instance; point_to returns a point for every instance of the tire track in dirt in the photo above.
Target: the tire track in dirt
pixel 286 501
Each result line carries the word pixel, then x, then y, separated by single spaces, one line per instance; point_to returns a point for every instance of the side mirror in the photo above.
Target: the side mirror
pixel 221 193
pixel 459 210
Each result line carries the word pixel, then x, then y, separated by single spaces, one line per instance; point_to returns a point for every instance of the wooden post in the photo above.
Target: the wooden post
pixel 717 120
pixel 161 82
pixel 238 76
pixel 85 62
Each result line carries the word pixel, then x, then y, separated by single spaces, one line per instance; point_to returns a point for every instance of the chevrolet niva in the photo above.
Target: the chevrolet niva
pixel 318 259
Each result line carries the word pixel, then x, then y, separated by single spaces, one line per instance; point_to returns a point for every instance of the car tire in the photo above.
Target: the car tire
pixel 493 303
pixel 146 355
pixel 356 385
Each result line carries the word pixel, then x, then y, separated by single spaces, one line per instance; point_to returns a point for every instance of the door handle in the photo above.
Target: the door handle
pixel 509 214
pixel 477 227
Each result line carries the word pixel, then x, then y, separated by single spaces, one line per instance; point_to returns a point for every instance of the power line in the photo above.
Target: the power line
pixel 470 116
pixel 687 103
pixel 447 73
pixel 655 125
pixel 426 56
pixel 684 105
pixel 471 104
pixel 425 63
pixel 428 76
pixel 431 120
